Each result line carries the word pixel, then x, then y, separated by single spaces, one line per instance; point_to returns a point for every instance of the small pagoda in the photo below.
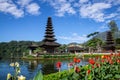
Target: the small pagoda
pixel 109 42
pixel 48 42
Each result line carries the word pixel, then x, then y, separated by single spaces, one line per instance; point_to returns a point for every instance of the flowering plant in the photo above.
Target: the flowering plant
pixel 106 67
pixel 16 67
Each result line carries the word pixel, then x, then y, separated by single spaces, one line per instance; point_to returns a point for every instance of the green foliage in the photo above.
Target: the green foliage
pixel 38 50
pixel 92 55
pixel 62 48
pixel 117 41
pixel 58 76
pixel 30 57
pixel 38 76
pixel 94 42
pixel 107 70
pixel 15 48
pixel 92 34
pixel 59 56
pixel 113 26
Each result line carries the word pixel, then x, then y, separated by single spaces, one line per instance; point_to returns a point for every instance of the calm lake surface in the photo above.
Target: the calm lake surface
pixel 30 67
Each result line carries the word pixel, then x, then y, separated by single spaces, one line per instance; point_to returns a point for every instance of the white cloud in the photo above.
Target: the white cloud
pixel 24 2
pixel 83 1
pixel 94 11
pixel 97 10
pixel 33 9
pixel 62 7
pixel 11 8
pixel 111 15
pixel 74 38
pixel 25 6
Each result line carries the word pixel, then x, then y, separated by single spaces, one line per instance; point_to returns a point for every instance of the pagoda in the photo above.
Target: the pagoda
pixel 48 42
pixel 109 46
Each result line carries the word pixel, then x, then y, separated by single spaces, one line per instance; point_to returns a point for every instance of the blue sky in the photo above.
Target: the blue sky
pixel 72 20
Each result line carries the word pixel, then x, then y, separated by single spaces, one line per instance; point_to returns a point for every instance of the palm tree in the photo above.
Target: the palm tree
pixel 92 34
pixel 91 42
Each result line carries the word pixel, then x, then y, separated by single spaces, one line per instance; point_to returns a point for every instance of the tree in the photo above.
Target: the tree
pixel 62 48
pixel 15 48
pixel 117 43
pixel 113 26
pixel 92 34
pixel 38 50
pixel 94 43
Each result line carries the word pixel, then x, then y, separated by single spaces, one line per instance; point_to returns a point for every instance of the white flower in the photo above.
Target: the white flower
pixel 16 64
pixel 8 76
pixel 18 71
pixel 12 64
pixel 21 77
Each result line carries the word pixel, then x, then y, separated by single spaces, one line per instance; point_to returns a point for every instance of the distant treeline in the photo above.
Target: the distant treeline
pixel 15 48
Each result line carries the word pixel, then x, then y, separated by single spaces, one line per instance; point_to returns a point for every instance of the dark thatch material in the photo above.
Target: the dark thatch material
pixel 48 42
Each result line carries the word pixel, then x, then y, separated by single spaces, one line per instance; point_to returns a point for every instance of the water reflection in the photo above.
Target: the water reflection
pixel 30 67
pixel 49 68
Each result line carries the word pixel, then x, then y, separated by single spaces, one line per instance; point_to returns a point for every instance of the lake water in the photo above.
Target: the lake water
pixel 30 67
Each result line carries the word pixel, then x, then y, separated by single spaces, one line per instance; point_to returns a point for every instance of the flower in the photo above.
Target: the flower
pixel 77 69
pixel 70 64
pixel 88 71
pixel 58 65
pixel 16 68
pixel 78 60
pixel 75 60
pixel 8 76
pixel 97 64
pixel 91 61
pixel 18 71
pixel 102 57
pixel 110 62
pixel 21 77
pixel 16 64
pixel 12 64
pixel 118 61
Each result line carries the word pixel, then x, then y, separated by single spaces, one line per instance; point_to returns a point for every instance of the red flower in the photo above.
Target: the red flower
pixel 97 64
pixel 91 61
pixel 75 60
pixel 118 61
pixel 77 69
pixel 88 71
pixel 102 61
pixel 78 60
pixel 58 65
pixel 110 62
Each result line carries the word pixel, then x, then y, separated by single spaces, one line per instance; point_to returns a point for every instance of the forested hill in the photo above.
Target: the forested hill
pixel 15 48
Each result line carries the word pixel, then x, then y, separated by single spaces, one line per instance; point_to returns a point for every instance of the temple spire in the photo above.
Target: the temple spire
pixel 48 42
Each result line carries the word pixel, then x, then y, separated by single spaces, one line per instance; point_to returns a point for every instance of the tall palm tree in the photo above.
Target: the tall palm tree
pixel 92 34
